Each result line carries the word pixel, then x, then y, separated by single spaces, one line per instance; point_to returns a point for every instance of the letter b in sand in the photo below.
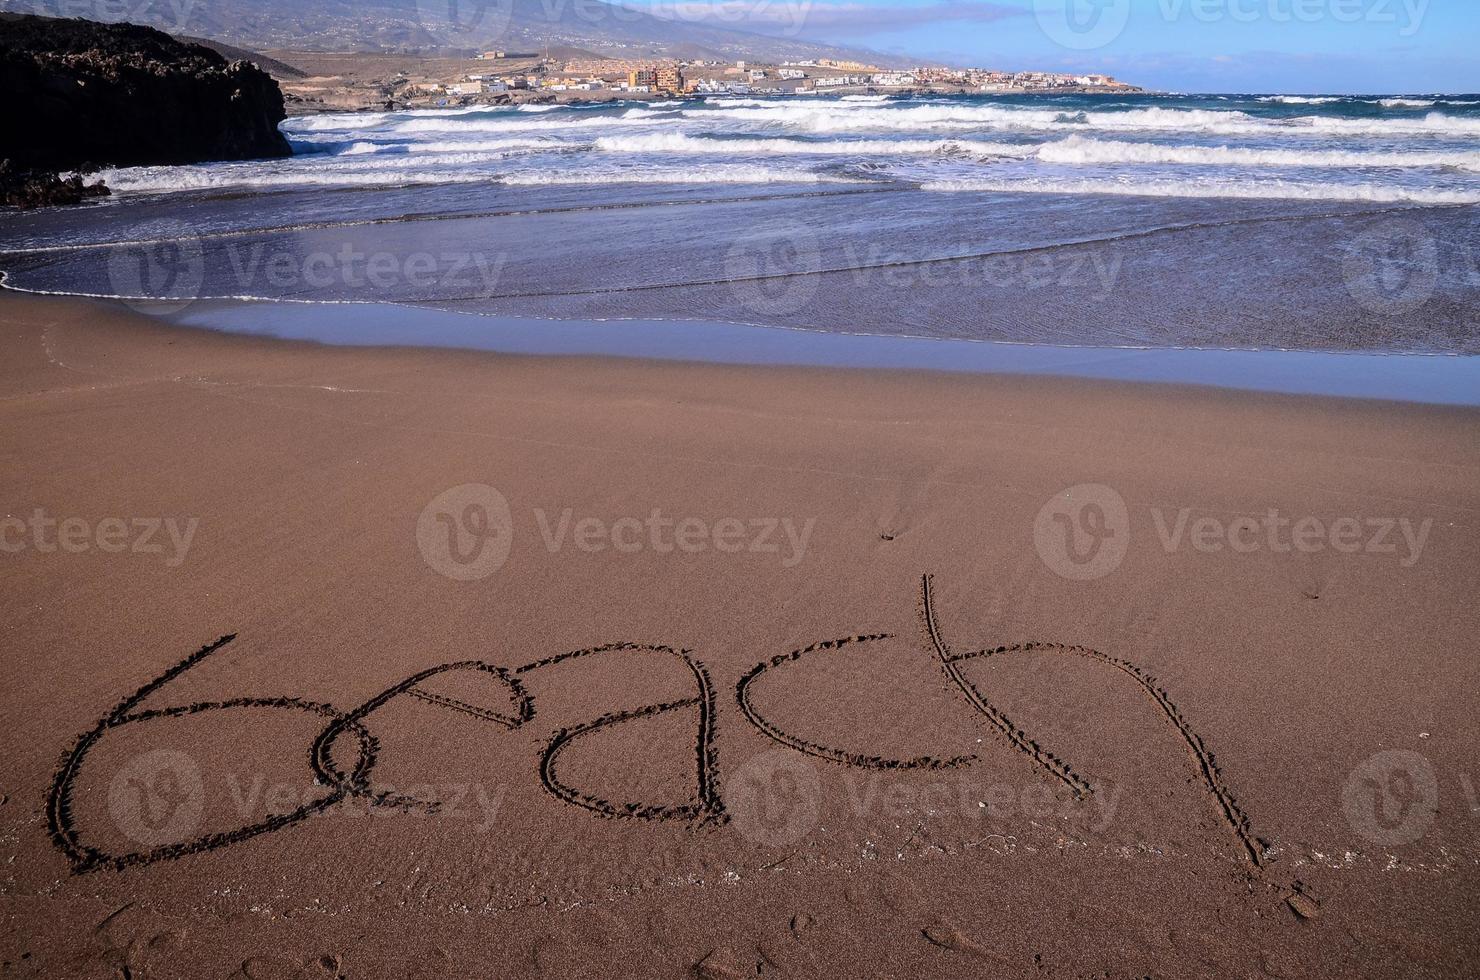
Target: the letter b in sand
pixel 1082 533
pixel 466 533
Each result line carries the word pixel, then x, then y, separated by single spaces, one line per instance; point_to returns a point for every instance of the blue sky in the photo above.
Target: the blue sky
pixel 1282 46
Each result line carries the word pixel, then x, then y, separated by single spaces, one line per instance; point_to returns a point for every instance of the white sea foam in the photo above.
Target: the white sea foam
pixel 370 148
pixel 1301 99
pixel 905 117
pixel 1267 190
pixel 1082 151
pixel 369 120
pixel 1411 149
pixel 725 173
pixel 682 143
pixel 1433 124
pixel 157 179
pixel 512 124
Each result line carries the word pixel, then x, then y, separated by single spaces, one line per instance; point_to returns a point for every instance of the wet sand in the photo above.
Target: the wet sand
pixel 399 662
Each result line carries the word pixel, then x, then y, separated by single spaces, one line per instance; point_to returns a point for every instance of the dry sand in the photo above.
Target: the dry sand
pixel 654 759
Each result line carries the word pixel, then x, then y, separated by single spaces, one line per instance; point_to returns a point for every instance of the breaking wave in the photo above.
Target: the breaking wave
pixel 1082 151
pixel 1399 148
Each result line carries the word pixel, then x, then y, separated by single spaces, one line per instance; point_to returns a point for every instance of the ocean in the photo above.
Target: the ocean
pixel 1318 223
pixel 1389 150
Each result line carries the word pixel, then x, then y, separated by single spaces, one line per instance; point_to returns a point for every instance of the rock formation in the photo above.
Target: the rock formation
pixel 82 95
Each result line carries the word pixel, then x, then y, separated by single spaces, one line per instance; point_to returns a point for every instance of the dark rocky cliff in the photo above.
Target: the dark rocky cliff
pixel 79 94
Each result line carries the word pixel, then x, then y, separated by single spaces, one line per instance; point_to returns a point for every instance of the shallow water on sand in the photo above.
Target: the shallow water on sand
pixel 1320 224
pixel 1034 268
pixel 1444 380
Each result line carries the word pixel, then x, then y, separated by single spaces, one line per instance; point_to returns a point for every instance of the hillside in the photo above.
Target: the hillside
pixel 425 26
pixel 277 69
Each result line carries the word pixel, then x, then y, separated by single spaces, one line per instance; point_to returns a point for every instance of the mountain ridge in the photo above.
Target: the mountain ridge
pixel 467 26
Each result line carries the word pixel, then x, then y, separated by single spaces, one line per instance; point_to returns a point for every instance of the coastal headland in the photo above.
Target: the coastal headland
pixel 91 95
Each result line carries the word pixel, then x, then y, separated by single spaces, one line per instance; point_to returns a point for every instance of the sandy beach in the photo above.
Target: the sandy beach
pixel 396 662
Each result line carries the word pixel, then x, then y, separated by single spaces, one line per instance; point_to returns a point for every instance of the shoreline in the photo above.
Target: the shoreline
pixel 1420 377
pixel 1430 377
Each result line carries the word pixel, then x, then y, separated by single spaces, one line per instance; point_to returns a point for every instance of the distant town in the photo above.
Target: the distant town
pixel 497 77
